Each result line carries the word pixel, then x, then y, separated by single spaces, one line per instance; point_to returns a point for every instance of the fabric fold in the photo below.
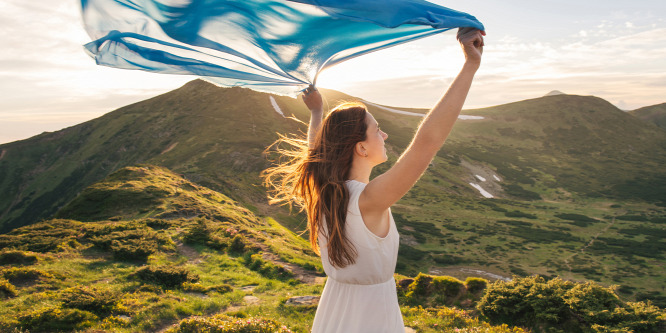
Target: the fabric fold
pixel 276 46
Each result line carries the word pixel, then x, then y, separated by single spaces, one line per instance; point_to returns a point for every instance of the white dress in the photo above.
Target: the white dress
pixel 361 297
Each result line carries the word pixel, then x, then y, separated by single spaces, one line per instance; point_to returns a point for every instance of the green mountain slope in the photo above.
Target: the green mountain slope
pixel 655 114
pixel 145 250
pixel 578 185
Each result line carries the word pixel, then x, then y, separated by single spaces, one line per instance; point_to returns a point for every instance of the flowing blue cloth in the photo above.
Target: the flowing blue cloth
pixel 278 46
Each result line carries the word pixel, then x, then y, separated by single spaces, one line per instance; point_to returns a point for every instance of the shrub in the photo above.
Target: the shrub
pixel 100 302
pixel 257 263
pixel 475 284
pixel 7 289
pixel 158 223
pixel 56 319
pixel 133 249
pixel 525 301
pixel 199 233
pixel 17 258
pixel 225 324
pixel 165 276
pixel 446 285
pixel 199 288
pixel 420 286
pixel 20 275
pixel 517 213
pixel 562 305
pixel 238 243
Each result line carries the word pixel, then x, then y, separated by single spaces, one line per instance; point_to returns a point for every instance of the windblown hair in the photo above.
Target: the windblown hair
pixel 314 179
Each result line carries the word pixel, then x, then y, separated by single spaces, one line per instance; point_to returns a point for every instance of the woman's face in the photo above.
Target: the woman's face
pixel 374 142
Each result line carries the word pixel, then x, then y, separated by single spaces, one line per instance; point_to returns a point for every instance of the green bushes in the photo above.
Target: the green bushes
pixel 517 213
pixel 474 284
pixel 577 219
pixel 535 302
pixel 225 324
pixel 165 276
pixel 21 275
pixel 95 300
pixel 7 289
pixel 56 319
pixel 446 285
pixel 198 288
pixel 17 258
pixel 267 269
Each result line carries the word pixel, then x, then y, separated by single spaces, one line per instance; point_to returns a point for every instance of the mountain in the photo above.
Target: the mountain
pixel 554 93
pixel 145 250
pixel 655 114
pixel 578 185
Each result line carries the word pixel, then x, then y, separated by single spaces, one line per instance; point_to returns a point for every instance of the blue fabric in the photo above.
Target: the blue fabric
pixel 277 46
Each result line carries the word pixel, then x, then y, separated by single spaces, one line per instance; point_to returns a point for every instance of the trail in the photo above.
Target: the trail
pixel 590 243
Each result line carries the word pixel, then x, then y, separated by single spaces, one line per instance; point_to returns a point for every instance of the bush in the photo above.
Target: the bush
pixel 17 258
pixel 238 243
pixel 475 284
pixel 158 223
pixel 165 276
pixel 133 249
pixel 56 319
pixel 199 288
pixel 99 302
pixel 446 285
pixel 199 233
pixel 225 324
pixel 7 289
pixel 566 306
pixel 420 286
pixel 526 301
pixel 20 275
pixel 257 263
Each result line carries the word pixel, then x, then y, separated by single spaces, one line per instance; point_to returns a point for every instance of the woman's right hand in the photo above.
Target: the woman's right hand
pixel 471 41
pixel 312 99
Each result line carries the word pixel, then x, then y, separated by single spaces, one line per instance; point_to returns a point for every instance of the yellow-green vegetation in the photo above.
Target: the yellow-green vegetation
pixel 151 268
pixel 581 190
pixel 562 306
pixel 223 269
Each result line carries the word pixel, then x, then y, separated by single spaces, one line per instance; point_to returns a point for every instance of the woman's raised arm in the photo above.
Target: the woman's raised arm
pixel 386 189
pixel 313 101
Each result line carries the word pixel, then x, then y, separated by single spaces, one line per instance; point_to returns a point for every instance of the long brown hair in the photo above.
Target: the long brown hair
pixel 314 179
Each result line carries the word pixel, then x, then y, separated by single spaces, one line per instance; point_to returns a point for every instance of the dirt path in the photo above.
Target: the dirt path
pixel 569 259
pixel 300 273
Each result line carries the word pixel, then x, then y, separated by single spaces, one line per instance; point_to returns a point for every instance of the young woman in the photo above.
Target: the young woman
pixel 349 215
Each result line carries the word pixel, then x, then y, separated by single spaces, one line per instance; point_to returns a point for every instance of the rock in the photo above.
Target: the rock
pixel 248 288
pixel 251 300
pixel 409 330
pixel 303 300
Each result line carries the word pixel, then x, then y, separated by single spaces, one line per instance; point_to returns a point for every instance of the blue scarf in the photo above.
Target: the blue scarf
pixel 276 46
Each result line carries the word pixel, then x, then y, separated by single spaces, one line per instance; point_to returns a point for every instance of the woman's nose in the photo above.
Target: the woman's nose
pixel 385 135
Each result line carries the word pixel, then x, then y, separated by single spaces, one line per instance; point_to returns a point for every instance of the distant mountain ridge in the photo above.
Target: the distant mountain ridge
pixel 655 114
pixel 578 186
pixel 216 136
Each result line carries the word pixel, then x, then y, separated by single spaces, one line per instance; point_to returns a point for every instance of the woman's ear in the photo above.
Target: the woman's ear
pixel 359 149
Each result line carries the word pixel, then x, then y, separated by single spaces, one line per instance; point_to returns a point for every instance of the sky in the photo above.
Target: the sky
pixel 612 49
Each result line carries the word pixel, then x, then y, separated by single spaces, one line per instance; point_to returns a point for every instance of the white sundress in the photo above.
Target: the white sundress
pixel 361 297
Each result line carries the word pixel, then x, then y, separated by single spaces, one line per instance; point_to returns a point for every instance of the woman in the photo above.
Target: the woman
pixel 349 216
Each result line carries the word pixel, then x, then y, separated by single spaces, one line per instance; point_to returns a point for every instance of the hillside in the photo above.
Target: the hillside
pixel 145 250
pixel 578 186
pixel 655 114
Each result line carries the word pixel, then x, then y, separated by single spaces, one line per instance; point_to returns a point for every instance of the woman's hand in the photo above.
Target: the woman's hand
pixel 312 99
pixel 471 41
